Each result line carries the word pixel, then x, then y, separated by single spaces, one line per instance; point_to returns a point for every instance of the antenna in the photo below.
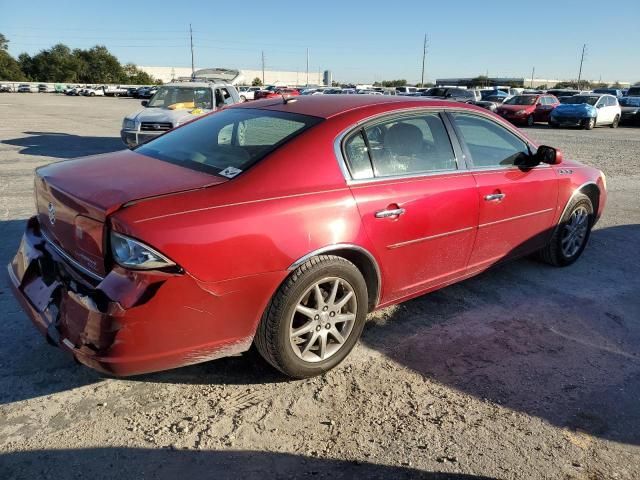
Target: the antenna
pixel 191 37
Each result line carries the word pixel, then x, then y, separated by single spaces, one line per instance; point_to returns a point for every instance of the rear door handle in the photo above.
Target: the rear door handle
pixel 390 213
pixel 494 197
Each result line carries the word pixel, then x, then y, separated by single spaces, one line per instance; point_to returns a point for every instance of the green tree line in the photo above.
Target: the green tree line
pixel 60 64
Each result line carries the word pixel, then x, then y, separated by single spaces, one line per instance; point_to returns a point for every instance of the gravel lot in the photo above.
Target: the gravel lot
pixel 525 371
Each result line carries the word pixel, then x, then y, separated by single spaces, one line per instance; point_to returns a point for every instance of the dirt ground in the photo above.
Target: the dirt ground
pixel 525 371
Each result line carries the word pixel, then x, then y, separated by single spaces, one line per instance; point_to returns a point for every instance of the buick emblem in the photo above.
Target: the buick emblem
pixel 52 213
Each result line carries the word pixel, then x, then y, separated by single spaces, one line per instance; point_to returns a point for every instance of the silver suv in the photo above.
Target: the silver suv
pixel 175 104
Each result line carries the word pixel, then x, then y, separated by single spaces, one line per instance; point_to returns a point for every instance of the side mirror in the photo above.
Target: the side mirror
pixel 548 155
pixel 600 105
pixel 144 103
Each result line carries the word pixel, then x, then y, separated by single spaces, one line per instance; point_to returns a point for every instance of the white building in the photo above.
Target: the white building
pixel 271 77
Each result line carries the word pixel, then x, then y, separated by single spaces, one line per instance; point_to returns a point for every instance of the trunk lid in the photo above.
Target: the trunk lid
pixel 74 197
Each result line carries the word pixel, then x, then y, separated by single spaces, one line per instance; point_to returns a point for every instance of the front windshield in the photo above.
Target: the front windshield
pixel 578 99
pixel 182 97
pixel 435 92
pixel 229 141
pixel 630 102
pixel 521 100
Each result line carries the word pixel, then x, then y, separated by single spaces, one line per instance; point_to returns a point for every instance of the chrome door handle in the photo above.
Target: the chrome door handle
pixel 390 213
pixel 494 197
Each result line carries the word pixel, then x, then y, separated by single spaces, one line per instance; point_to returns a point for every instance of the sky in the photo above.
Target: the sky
pixel 359 41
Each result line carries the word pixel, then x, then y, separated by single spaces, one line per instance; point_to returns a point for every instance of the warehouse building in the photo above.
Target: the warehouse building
pixel 510 81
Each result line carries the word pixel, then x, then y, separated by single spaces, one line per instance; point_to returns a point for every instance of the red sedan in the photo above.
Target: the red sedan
pixel 528 109
pixel 283 223
pixel 278 92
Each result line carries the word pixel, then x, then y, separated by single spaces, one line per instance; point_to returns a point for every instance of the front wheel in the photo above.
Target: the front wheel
pixel 572 233
pixel 616 122
pixel 243 98
pixel 315 318
pixel 589 123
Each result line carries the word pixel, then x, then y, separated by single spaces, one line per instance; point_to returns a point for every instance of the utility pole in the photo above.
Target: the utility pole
pixel 263 67
pixel 191 37
pixel 307 67
pixel 584 46
pixel 424 54
pixel 533 74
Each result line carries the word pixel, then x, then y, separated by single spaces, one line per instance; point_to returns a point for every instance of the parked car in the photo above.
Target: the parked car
pixel 280 92
pixel 115 91
pixel 5 88
pixel 491 106
pixel 45 88
pixel 634 91
pixel 587 111
pixel 630 110
pixel 616 92
pixel 528 109
pixel 264 91
pixel 247 93
pixel 447 93
pixel 283 224
pixel 72 90
pixel 147 92
pixel 332 91
pixel 406 90
pixel 175 104
pixel 27 88
pixel 93 92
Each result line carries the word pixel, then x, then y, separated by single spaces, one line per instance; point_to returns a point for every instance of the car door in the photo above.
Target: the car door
pixel 603 111
pixel 543 109
pixel 417 201
pixel 517 205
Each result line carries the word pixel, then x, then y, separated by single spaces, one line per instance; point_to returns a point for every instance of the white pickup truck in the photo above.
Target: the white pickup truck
pixel 175 104
pixel 247 93
pixel 115 91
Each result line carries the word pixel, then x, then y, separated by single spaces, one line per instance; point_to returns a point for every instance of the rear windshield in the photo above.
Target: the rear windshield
pixel 227 142
pixel 521 100
pixel 578 99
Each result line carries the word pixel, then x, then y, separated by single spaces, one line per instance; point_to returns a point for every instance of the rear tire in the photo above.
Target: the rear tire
pixel 530 121
pixel 571 234
pixel 295 307
pixel 243 98
pixel 616 122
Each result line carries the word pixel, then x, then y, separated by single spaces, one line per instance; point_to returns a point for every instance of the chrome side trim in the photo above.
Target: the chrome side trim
pixel 72 261
pixel 575 192
pixel 530 214
pixel 431 237
pixel 343 246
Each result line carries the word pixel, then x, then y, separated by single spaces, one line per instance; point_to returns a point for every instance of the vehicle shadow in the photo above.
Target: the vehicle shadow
pixel 136 463
pixel 559 344
pixel 562 344
pixel 64 145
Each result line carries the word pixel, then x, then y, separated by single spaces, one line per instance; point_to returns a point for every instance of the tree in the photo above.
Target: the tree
pixel 256 82
pixel 136 77
pixel 9 67
pixel 394 83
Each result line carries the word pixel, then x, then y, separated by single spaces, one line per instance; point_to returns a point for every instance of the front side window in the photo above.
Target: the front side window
pixel 402 146
pixel 228 141
pixel 490 144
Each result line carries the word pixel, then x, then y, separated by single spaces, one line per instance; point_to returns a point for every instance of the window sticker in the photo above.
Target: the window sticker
pixel 230 172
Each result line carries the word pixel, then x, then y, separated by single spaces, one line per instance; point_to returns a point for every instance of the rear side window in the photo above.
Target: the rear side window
pixel 228 142
pixel 489 144
pixel 401 146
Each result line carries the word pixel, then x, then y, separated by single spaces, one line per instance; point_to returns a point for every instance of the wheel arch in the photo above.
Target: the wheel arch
pixel 591 190
pixel 361 258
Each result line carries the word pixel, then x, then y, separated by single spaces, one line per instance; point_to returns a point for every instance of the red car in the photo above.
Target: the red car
pixel 528 109
pixel 283 223
pixel 278 92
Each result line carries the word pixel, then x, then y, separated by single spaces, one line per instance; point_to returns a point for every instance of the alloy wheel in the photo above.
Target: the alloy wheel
pixel 575 232
pixel 323 319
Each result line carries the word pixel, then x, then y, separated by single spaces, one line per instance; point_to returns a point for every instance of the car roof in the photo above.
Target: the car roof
pixel 192 84
pixel 330 105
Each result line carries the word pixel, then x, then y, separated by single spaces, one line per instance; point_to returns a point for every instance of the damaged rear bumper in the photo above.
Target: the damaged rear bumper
pixel 132 322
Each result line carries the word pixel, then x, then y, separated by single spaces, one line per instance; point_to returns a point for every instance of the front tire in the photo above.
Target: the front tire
pixel 589 123
pixel 572 233
pixel 243 98
pixel 315 318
